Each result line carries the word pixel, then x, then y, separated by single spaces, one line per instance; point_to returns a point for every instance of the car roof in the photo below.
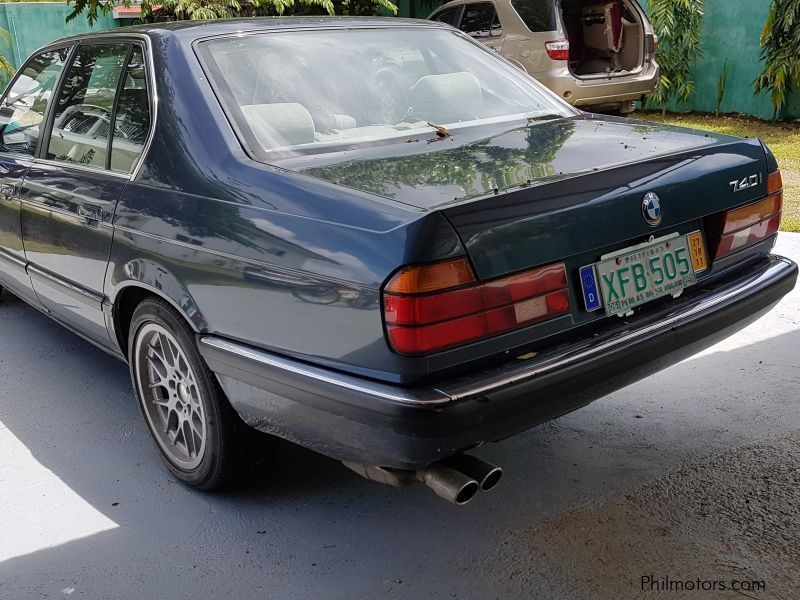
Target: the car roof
pixel 191 30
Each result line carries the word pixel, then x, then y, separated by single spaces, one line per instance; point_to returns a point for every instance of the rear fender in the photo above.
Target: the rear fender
pixel 146 277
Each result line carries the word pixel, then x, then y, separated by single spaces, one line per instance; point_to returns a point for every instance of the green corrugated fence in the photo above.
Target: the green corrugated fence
pixel 36 23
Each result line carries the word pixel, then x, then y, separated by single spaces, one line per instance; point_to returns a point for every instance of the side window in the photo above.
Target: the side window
pixel 132 121
pixel 538 15
pixel 22 110
pixel 480 20
pixel 83 107
pixel 450 16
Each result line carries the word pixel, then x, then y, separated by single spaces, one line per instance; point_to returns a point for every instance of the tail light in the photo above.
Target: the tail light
pixel 651 43
pixel 558 49
pixel 432 307
pixel 754 222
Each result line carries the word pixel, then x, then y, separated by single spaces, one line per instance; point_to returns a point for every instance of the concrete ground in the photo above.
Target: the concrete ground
pixel 690 479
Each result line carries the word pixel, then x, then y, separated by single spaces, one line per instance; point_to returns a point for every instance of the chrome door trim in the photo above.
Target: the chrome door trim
pixel 80 293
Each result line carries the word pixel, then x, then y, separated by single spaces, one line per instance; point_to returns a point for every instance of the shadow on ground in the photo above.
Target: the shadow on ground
pixel 305 527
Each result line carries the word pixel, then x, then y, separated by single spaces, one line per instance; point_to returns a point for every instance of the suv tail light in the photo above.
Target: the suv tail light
pixel 651 43
pixel 432 307
pixel 558 49
pixel 754 222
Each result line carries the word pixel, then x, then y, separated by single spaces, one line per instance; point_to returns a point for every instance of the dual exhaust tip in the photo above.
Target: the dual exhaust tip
pixel 456 479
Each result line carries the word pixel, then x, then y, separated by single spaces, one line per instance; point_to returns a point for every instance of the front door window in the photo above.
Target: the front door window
pixel 22 110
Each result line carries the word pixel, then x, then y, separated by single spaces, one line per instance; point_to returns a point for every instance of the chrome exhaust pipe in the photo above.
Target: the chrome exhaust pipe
pixel 447 483
pixel 486 474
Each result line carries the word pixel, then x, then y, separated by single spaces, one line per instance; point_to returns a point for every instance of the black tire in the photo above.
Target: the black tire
pixel 222 456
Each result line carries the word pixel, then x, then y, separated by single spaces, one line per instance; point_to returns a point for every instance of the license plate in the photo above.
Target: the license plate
pixel 637 275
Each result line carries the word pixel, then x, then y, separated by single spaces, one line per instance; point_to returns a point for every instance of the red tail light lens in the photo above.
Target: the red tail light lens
pixel 651 43
pixel 750 224
pixel 420 322
pixel 558 49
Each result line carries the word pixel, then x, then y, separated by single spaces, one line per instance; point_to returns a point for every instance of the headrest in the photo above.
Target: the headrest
pixel 447 98
pixel 281 124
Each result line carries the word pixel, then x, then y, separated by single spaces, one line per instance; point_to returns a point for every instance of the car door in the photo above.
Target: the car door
pixel 480 21
pixel 22 113
pixel 70 193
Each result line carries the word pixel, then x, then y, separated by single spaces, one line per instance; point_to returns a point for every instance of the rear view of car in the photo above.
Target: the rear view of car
pixel 595 55
pixel 373 238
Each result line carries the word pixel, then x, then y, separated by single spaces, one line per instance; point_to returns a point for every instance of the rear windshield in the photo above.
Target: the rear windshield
pixel 307 92
pixel 538 15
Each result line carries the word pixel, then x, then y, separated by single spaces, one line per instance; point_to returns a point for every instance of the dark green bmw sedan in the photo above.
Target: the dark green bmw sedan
pixel 372 237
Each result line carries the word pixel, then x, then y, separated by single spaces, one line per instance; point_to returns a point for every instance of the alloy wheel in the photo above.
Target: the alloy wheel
pixel 170 396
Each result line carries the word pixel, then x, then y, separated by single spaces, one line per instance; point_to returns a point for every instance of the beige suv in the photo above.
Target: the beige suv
pixel 597 55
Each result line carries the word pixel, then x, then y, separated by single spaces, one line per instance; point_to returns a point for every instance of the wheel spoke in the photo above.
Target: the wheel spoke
pixel 197 424
pixel 188 437
pixel 157 347
pixel 157 368
pixel 174 354
pixel 159 375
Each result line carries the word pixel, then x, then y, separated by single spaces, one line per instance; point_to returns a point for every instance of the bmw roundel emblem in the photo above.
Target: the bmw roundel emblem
pixel 651 209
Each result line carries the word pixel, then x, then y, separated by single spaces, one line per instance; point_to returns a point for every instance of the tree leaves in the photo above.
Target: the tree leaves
pixel 678 25
pixel 220 9
pixel 780 51
pixel 6 67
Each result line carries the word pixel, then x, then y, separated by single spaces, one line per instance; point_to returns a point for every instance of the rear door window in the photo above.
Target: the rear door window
pixel 84 107
pixel 450 16
pixel 22 110
pixel 538 15
pixel 132 117
pixel 480 20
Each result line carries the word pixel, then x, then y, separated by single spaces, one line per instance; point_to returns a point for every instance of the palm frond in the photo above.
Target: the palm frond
pixel 678 24
pixel 780 52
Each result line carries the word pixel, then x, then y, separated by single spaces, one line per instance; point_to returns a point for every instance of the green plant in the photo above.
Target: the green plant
pixel 6 68
pixel 722 84
pixel 220 9
pixel 677 23
pixel 780 51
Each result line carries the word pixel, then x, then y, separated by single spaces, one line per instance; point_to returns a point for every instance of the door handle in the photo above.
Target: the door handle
pixel 91 213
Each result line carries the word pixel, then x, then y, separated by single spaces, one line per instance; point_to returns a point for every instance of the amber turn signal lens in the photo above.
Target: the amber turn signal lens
pixel 774 183
pixel 421 279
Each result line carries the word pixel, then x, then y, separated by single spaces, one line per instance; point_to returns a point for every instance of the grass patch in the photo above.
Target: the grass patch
pixel 782 138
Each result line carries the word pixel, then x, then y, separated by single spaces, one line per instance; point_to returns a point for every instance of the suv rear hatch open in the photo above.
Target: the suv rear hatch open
pixel 606 38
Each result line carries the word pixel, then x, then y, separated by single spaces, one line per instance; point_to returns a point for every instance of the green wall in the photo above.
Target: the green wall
pixel 33 24
pixel 732 31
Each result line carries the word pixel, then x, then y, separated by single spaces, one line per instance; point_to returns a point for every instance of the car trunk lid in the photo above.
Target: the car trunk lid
pixel 539 193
